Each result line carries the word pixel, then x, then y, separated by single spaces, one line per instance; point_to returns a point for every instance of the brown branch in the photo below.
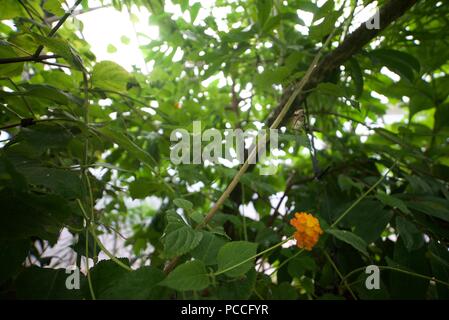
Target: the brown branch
pixel 389 13
pixel 40 58
pixel 26 122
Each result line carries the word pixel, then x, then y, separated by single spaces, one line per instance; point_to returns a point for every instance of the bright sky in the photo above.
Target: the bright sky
pixel 107 26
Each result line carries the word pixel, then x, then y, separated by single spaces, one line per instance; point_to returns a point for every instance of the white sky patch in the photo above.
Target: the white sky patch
pixel 219 76
pixel 153 202
pixel 178 55
pixel 278 152
pixel 362 130
pixel 249 211
pixel 390 74
pixel 347 126
pixel 105 102
pixel 148 110
pixel 380 97
pixel 195 187
pixel 227 163
pixel 3 136
pixel 274 200
pixel 362 15
pixel 391 118
pixel 305 16
pixel 289 243
pixel 318 143
pixel 106 26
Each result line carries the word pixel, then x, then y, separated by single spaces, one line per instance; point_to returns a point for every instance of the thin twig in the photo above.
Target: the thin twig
pixel 58 25
pixel 288 186
pixel 38 58
pixel 339 274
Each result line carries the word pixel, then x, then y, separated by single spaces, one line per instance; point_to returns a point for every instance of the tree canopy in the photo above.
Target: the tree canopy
pixel 363 116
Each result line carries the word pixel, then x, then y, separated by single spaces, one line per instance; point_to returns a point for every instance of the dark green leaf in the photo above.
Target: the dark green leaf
pixel 233 254
pixel 191 275
pixel 350 238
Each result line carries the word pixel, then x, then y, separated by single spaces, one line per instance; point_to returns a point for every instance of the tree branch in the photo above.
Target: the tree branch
pixel 389 13
pixel 76 13
pixel 58 25
pixel 40 58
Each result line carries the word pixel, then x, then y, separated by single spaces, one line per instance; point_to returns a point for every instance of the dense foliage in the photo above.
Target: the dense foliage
pixel 82 137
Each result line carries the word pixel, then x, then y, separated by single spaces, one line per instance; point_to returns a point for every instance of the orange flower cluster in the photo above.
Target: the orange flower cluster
pixel 308 230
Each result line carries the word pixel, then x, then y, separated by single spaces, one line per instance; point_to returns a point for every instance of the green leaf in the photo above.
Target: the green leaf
pixel 125 40
pixel 439 257
pixel 61 48
pixel 12 255
pixel 346 183
pixel 142 188
pixel 42 137
pixel 207 249
pixel 42 283
pixel 393 202
pixel 331 89
pixel 27 214
pixel 194 11
pixel 357 76
pixel 350 238
pixel 240 289
pixel 11 69
pixel 104 274
pixel 191 275
pixel 11 9
pixel 184 4
pixel 284 291
pixel 184 204
pixel 400 62
pixel 419 102
pixel 368 219
pixel 269 77
pixel 299 265
pixel 322 11
pixel 50 93
pixel 413 239
pixel 263 11
pixel 110 76
pixel 111 48
pixel 59 181
pixel 124 142
pixel 402 285
pixel 179 237
pixel 432 206
pixel 60 80
pixel 141 284
pixel 234 253
pixel 54 6
pixel 324 28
